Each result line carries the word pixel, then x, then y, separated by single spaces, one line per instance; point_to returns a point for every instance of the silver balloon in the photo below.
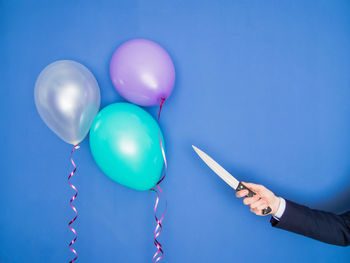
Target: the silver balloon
pixel 67 97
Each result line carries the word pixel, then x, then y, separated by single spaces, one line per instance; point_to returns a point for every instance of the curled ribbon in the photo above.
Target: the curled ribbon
pixel 74 209
pixel 159 253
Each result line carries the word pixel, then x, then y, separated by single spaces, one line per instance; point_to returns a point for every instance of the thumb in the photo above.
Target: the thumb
pixel 257 188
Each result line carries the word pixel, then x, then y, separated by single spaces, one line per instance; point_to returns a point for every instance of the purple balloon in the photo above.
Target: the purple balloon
pixel 142 72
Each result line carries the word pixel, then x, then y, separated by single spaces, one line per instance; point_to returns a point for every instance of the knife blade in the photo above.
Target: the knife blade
pixel 226 176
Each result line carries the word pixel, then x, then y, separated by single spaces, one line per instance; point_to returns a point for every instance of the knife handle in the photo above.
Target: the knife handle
pixel 241 187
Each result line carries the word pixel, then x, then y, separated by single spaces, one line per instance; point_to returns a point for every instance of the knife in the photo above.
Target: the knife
pixel 226 176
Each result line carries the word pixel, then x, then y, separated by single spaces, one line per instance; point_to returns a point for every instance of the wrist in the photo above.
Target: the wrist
pixel 275 205
pixel 281 209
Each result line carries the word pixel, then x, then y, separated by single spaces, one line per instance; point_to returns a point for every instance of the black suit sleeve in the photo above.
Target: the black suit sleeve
pixel 323 226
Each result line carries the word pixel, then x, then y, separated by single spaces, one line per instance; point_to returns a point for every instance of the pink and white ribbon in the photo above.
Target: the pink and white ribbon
pixel 74 209
pixel 159 253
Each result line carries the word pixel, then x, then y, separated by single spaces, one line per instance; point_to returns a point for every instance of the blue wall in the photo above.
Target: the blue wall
pixel 263 86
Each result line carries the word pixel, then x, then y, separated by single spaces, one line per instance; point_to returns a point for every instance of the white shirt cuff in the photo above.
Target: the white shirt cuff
pixel 280 209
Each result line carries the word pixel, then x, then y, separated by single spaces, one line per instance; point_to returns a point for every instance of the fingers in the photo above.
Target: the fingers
pixel 250 200
pixel 257 188
pixel 258 208
pixel 256 204
pixel 260 203
pixel 261 200
pixel 242 193
pixel 257 212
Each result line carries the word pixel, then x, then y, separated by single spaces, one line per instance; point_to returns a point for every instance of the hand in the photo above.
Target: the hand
pixel 262 199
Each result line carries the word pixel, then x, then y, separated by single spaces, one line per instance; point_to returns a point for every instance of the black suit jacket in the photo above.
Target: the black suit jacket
pixel 323 226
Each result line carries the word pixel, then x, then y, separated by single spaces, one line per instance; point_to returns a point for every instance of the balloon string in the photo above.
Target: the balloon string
pixel 160 107
pixel 74 209
pixel 159 253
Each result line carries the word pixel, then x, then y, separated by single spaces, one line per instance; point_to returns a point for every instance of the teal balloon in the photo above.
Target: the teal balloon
pixel 124 141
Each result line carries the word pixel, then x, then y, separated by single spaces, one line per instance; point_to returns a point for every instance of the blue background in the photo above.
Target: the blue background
pixel 262 86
